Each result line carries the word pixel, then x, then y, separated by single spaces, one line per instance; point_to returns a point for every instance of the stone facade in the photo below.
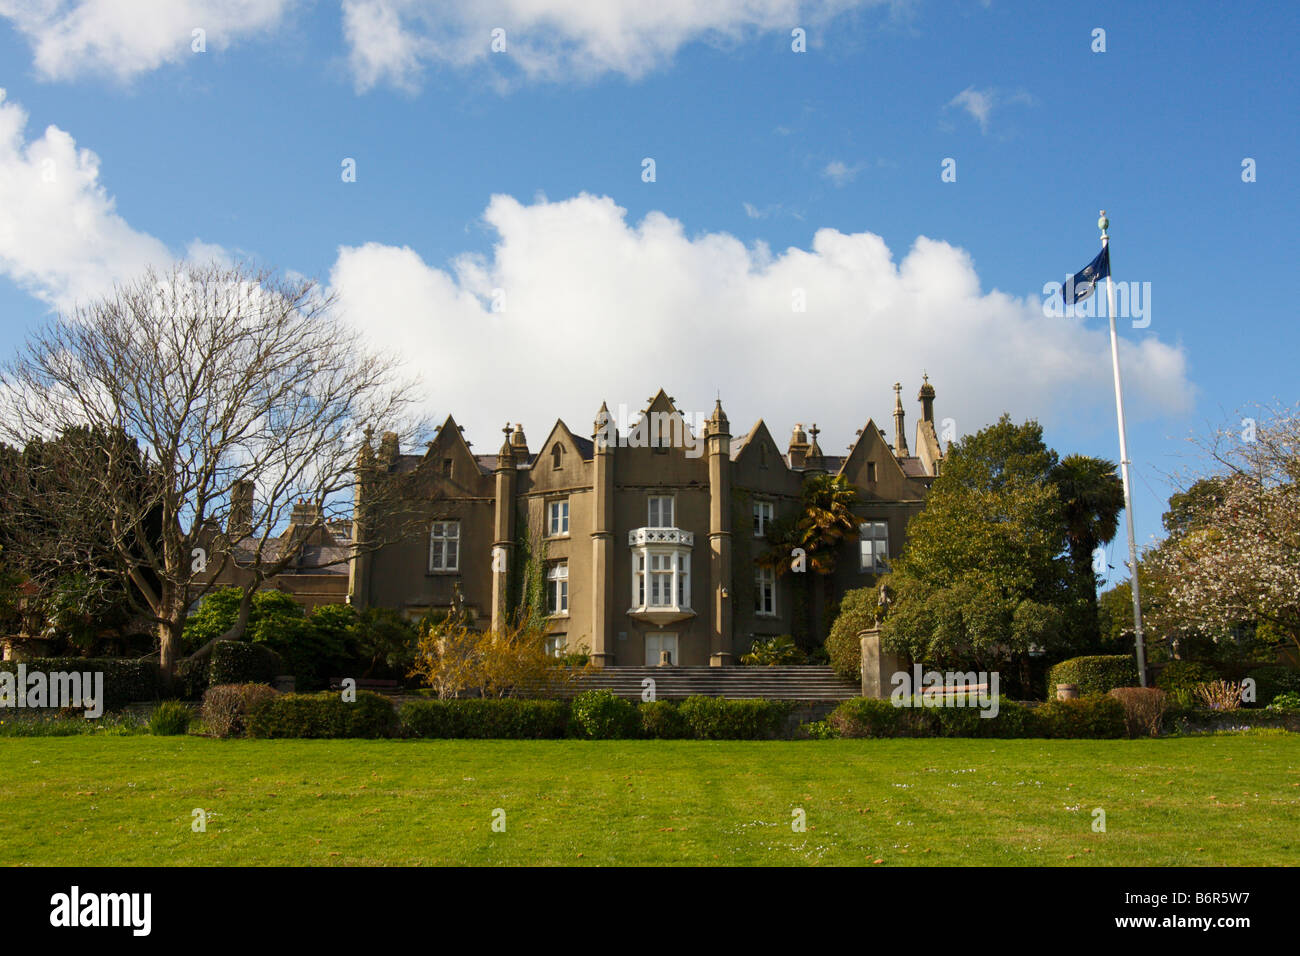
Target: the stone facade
pixel 648 546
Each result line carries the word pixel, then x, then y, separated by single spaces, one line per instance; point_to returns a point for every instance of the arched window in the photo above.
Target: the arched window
pixel 557 455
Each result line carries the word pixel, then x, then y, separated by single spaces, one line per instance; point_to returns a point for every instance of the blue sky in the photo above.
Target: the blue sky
pixel 774 170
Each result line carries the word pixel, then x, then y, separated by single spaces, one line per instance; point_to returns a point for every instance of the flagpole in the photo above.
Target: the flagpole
pixel 1103 223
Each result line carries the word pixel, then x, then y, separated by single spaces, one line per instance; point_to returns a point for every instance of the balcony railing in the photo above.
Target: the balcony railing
pixel 640 536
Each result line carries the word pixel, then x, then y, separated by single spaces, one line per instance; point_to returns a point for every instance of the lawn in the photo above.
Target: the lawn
pixel 1227 800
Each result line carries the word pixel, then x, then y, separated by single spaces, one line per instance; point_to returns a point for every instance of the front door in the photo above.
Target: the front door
pixel 658 642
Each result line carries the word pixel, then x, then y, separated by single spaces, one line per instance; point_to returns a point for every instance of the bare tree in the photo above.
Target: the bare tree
pixel 228 380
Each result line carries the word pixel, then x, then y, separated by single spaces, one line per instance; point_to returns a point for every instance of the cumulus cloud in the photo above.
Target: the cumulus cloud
pixel 980 104
pixel 840 173
pixel 574 305
pixel 394 41
pixel 61 237
pixel 124 38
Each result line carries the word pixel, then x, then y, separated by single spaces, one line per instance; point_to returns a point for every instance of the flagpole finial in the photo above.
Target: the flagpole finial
pixel 1103 223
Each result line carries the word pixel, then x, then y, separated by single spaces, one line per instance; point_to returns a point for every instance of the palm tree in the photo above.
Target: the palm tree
pixel 1092 496
pixel 825 521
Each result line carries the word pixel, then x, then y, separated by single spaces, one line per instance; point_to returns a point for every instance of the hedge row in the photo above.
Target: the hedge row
pixel 125 679
pixel 1093 716
pixel 1098 674
pixel 325 714
pixel 595 714
pixel 243 662
pixel 483 719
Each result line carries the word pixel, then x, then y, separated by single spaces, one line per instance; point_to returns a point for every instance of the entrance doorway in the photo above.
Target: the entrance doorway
pixel 658 642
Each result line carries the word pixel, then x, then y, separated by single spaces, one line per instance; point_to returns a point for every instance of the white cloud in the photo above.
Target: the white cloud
pixel 840 173
pixel 393 41
pixel 600 309
pixel 980 104
pixel 61 237
pixel 123 38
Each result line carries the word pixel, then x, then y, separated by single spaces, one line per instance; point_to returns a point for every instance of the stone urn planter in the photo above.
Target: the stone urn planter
pixel 1067 691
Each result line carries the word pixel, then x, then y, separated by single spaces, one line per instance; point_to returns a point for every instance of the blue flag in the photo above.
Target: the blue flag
pixel 1084 282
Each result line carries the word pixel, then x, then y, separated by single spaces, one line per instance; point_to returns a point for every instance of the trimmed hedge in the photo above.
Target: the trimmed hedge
pixel 504 719
pixel 873 717
pixel 662 720
pixel 869 717
pixel 323 715
pixel 1093 717
pixel 1013 720
pixel 126 680
pixel 1097 674
pixel 716 718
pixel 243 662
pixel 599 715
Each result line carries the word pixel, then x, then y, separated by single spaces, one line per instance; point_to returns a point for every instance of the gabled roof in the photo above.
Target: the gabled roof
pixel 560 432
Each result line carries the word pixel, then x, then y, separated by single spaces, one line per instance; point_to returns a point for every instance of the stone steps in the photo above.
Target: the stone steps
pixel 678 683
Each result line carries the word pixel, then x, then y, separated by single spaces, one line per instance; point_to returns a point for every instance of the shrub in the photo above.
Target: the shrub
pixel 871 717
pixel 662 720
pixel 1095 716
pixel 819 730
pixel 1097 674
pixel 843 645
pixel 1272 680
pixel 170 718
pixel 774 652
pixel 243 662
pixel 599 715
pixel 1287 701
pixel 322 715
pixel 126 680
pixel 1220 694
pixel 1012 720
pixel 1179 680
pixel 226 707
pixel 1144 709
pixel 504 719
pixel 716 718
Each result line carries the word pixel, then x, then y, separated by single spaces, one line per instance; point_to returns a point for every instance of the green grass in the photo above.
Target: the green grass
pixel 1224 800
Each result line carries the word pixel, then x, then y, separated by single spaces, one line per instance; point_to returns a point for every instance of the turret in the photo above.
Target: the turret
pixel 503 527
pixel 900 440
pixel 602 539
pixel 718 432
pixel 926 397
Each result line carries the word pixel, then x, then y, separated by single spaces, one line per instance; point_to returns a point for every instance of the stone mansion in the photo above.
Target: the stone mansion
pixel 646 547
